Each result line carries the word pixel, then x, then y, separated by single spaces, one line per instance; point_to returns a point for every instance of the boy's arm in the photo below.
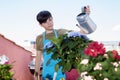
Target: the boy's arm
pixel 38 62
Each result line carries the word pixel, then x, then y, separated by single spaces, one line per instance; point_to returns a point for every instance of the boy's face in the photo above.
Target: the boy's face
pixel 48 25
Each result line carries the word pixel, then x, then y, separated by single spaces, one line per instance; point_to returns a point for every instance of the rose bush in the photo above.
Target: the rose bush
pixel 101 64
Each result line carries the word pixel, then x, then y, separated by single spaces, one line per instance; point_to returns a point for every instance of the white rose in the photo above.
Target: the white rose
pixel 83 74
pixel 84 61
pixel 98 67
pixel 88 78
pixel 115 69
pixel 106 79
pixel 115 64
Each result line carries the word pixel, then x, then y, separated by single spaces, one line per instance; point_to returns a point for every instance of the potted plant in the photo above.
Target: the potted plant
pixel 75 50
pixel 5 67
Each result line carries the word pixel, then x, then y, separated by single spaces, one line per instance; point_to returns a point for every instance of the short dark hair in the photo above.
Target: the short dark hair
pixel 42 16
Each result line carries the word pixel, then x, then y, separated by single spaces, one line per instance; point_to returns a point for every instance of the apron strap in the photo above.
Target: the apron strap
pixel 44 33
pixel 55 32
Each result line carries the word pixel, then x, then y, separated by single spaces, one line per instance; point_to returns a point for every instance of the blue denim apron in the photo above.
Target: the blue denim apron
pixel 48 71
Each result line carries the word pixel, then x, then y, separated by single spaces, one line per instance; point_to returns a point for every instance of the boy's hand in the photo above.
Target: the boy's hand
pixel 87 9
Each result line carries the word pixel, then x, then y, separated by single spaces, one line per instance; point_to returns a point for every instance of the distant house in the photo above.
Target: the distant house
pixel 17 54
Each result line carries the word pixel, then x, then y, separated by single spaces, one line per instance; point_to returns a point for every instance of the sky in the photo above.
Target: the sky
pixel 18 18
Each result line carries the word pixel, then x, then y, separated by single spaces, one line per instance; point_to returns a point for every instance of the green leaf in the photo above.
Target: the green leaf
pixel 66 67
pixel 56 67
pixel 5 73
pixel 48 62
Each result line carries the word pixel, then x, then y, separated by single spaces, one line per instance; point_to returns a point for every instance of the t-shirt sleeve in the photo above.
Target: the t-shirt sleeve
pixel 39 44
pixel 62 31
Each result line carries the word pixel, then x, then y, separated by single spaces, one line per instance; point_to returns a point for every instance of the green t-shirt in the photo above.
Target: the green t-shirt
pixel 39 43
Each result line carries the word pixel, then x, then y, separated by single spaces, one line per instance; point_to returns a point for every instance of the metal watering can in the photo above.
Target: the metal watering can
pixel 86 23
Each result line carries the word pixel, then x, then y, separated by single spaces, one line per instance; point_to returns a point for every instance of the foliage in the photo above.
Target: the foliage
pixel 5 67
pixel 68 49
pixel 74 50
pixel 5 73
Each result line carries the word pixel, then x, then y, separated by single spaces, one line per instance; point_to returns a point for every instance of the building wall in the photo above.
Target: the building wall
pixel 19 56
